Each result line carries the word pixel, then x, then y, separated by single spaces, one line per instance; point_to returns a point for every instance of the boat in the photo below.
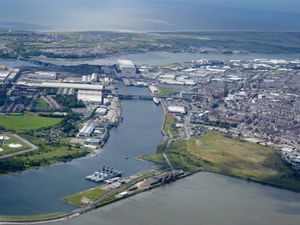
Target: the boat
pixel 156 101
pixel 106 174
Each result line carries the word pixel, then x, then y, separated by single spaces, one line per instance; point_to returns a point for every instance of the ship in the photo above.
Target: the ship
pixel 105 174
pixel 156 101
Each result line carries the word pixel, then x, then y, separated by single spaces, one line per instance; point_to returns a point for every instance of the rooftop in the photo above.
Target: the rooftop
pixel 126 63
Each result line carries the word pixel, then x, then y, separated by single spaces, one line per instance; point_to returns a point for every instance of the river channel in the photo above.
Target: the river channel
pixel 39 191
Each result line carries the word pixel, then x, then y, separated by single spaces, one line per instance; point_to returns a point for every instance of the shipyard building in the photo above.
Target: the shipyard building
pixel 90 96
pixel 127 69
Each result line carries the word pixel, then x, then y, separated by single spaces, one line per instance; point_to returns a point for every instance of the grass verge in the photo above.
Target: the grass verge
pixel 85 197
pixel 170 126
pixel 33 217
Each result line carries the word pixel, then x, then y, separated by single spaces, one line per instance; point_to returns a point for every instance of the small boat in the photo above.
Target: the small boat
pixel 126 157
pixel 156 101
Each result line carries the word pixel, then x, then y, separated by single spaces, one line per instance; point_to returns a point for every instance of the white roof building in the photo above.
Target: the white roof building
pixel 54 84
pixel 128 69
pixel 176 109
pixel 90 96
pixel 43 75
pixel 101 111
pixel 87 130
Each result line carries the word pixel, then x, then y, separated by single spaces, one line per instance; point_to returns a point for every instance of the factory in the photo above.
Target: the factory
pixel 90 96
pixel 101 111
pixel 87 130
pixel 90 78
pixel 4 74
pixel 53 84
pixel 176 109
pixel 7 74
pixel 192 96
pixel 3 67
pixel 127 69
pixel 40 75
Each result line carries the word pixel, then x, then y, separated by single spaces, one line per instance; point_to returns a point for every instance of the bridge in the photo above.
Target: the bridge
pixel 135 97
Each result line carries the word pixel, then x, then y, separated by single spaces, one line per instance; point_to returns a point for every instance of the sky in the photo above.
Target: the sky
pixel 150 15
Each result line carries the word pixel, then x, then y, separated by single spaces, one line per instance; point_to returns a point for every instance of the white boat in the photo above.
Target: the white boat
pixel 156 101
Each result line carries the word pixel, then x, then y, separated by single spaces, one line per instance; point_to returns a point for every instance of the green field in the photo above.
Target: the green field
pixel 169 127
pixel 48 153
pixel 216 152
pixel 6 149
pixel 167 92
pixel 85 197
pixel 41 103
pixel 25 122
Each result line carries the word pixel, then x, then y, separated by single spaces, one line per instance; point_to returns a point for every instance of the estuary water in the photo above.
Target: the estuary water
pixel 202 199
pixel 162 58
pixel 154 15
pixel 39 191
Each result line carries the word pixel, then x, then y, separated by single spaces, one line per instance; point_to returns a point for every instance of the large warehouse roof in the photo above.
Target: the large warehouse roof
pixel 89 96
pixel 62 85
pixel 126 64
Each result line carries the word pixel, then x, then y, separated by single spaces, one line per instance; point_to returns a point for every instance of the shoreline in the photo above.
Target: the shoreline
pixel 75 213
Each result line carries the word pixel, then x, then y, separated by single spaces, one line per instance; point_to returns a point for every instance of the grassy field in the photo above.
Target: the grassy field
pixel 6 149
pixel 167 92
pixel 169 126
pixel 25 122
pixel 41 103
pixel 85 197
pixel 46 155
pixel 219 153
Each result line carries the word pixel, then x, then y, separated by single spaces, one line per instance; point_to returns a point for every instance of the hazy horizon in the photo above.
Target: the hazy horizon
pixel 142 15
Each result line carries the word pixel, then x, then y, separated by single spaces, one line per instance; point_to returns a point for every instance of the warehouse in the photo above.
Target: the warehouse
pixel 53 84
pixel 87 130
pixel 199 96
pixel 128 69
pixel 177 109
pixel 90 96
pixel 101 111
pixel 42 75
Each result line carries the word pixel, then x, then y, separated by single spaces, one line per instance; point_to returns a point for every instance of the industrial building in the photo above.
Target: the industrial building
pixel 90 96
pixel 53 84
pixel 7 74
pixel 176 109
pixel 92 141
pixel 87 130
pixel 3 67
pixel 4 74
pixel 90 78
pixel 127 69
pixel 153 89
pixel 199 96
pixel 40 75
pixel 101 111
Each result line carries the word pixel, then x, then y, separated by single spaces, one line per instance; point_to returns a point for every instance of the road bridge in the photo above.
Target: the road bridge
pixel 135 97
